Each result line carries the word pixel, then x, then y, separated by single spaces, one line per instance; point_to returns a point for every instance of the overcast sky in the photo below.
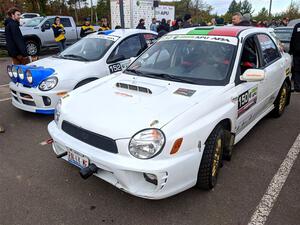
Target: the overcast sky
pixel 221 6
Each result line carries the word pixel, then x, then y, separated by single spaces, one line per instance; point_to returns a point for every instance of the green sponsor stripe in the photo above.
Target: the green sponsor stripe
pixel 200 31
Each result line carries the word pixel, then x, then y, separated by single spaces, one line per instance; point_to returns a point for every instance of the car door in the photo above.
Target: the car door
pixel 47 35
pixel 249 96
pixel 273 65
pixel 119 59
pixel 71 33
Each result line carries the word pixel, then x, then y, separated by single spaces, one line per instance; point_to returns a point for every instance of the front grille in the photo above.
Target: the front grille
pixel 91 138
pixel 31 103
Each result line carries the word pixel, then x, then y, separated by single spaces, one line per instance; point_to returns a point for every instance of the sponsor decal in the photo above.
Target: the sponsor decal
pixel 123 94
pixel 107 37
pixel 185 92
pixel 247 100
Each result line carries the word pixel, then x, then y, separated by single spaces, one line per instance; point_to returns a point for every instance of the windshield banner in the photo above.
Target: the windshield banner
pixel 229 40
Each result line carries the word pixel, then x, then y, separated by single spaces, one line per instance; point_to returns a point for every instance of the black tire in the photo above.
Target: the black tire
pixel 81 83
pixel 211 159
pixel 32 47
pixel 281 100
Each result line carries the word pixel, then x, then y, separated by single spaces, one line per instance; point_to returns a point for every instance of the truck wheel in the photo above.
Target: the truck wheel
pixel 81 83
pixel 32 47
pixel 211 159
pixel 281 100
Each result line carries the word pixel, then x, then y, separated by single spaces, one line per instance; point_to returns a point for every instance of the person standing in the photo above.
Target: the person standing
pixel 14 39
pixel 59 34
pixel 187 21
pixel 153 25
pixel 141 25
pixel 87 28
pixel 104 25
pixel 177 25
pixel 295 51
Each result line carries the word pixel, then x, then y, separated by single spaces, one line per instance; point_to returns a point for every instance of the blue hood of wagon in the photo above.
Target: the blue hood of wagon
pixel 38 75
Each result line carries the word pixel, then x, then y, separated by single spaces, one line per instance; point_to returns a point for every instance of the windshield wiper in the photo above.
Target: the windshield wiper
pixel 171 77
pixel 137 72
pixel 74 56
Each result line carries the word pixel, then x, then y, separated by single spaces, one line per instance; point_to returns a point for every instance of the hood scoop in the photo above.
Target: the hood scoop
pixel 134 88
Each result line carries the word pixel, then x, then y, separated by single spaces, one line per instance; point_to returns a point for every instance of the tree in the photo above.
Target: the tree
pixel 233 7
pixel 262 15
pixel 246 7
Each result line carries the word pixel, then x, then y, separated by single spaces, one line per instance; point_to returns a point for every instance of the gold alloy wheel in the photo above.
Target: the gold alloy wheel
pixel 282 100
pixel 217 157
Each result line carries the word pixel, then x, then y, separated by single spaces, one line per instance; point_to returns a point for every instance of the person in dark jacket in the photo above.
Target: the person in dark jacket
pixel 295 51
pixel 163 26
pixel 14 39
pixel 87 28
pixel 59 34
pixel 177 25
pixel 187 21
pixel 141 25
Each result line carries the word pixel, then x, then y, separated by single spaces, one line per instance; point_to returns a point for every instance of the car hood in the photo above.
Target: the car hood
pixel 62 67
pixel 109 108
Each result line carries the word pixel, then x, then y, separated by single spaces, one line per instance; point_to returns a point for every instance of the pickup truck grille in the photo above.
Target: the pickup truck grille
pixel 2 38
pixel 89 137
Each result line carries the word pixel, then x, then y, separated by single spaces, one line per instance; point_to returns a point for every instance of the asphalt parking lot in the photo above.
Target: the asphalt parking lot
pixel 37 188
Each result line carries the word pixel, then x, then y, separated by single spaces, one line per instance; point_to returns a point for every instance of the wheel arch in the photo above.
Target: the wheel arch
pixel 85 81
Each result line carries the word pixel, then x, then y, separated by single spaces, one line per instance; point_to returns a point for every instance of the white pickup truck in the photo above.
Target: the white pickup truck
pixel 38 33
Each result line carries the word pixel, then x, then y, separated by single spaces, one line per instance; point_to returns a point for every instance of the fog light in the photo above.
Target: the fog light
pixel 151 178
pixel 47 100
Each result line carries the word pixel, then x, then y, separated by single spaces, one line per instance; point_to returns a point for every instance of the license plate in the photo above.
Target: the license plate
pixel 77 159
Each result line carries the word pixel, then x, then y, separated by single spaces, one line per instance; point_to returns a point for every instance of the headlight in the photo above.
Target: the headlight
pixel 48 84
pixel 147 143
pixel 57 111
pixel 14 71
pixel 29 76
pixel 9 72
pixel 20 73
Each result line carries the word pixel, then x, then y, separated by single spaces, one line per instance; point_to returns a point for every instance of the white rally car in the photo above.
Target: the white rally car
pixel 166 123
pixel 38 86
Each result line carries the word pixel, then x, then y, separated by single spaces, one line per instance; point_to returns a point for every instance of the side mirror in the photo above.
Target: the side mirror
pixel 116 58
pixel 252 75
pixel 45 26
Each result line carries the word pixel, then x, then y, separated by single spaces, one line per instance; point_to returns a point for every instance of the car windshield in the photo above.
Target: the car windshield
pixel 88 49
pixel 34 22
pixel 191 61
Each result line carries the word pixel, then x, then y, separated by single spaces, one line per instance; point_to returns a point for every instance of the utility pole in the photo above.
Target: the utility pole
pixel 121 4
pixel 91 11
pixel 270 8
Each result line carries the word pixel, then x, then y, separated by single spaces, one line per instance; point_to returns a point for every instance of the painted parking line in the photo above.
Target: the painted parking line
pixel 4 99
pixel 266 204
pixel 4 85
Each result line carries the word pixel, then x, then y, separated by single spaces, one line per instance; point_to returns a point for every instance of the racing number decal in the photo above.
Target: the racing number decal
pixel 115 68
pixel 247 100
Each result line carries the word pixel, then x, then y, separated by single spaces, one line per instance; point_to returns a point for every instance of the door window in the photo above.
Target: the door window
pixel 66 22
pixel 130 47
pixel 249 59
pixel 269 50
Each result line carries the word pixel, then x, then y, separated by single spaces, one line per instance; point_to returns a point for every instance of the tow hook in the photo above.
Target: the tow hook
pixel 88 171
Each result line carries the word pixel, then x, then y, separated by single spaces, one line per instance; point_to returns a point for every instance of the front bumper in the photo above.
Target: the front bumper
pixel 174 174
pixel 32 99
